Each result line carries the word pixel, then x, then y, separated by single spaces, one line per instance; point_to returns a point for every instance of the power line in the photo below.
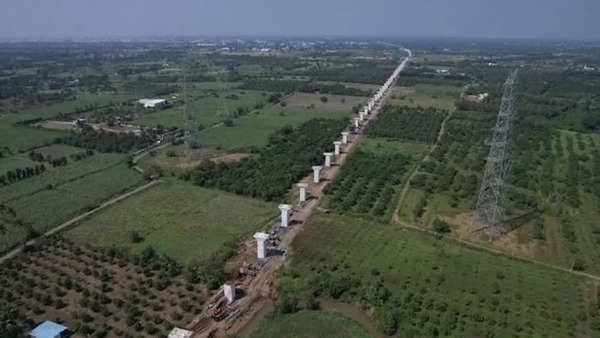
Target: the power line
pixel 491 204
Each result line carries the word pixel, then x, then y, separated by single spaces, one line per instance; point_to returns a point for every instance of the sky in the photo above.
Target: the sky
pixel 545 19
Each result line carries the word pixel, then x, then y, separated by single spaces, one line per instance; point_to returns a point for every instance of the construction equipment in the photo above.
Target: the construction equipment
pixel 220 308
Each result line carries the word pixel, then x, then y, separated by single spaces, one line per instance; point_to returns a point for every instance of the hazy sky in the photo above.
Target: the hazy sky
pixel 457 18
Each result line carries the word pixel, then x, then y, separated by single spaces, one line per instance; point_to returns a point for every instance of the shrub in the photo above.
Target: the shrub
pixel 441 226
pixel 287 304
pixel 135 237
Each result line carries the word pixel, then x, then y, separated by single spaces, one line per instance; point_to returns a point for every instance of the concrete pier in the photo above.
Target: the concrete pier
pixel 229 291
pixel 261 248
pixel 345 137
pixel 337 145
pixel 317 173
pixel 328 159
pixel 285 209
pixel 302 187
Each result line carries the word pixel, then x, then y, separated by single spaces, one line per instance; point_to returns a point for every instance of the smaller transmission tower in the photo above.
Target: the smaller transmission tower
pixel 223 91
pixel 491 204
pixel 190 119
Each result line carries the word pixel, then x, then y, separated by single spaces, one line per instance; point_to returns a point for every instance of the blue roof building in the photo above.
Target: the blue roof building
pixel 48 329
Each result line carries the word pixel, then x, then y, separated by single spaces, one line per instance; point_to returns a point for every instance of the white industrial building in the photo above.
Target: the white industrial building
pixel 152 103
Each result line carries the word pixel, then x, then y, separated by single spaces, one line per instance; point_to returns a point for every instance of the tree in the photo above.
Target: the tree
pixel 287 303
pixel 324 99
pixel 386 320
pixel 228 123
pixel 135 237
pixel 441 226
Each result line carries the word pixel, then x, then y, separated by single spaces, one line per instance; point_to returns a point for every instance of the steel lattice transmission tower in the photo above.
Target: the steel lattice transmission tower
pixel 190 119
pixel 491 204
pixel 223 91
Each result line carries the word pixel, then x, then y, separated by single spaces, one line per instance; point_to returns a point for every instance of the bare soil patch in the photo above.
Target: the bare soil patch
pixel 229 158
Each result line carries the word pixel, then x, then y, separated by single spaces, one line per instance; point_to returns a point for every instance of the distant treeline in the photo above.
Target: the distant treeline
pixel 106 142
pixel 288 86
pixel 287 158
pixel 363 73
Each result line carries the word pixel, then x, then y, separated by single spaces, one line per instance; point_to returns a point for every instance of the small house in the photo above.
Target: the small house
pixel 49 329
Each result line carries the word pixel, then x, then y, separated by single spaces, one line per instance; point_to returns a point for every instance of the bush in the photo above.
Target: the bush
pixel 578 265
pixel 441 226
pixel 386 320
pixel 287 304
pixel 135 237
pixel 228 123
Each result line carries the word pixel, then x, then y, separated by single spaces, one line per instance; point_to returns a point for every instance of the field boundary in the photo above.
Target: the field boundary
pixel 73 179
pixel 79 218
pixel 499 252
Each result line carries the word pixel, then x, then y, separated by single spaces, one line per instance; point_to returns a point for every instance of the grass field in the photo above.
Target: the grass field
pixel 335 102
pixel 384 146
pixel 254 129
pixel 14 162
pixel 426 95
pixel 179 219
pixel 45 201
pixel 22 160
pixel 60 175
pixel 59 150
pixel 206 109
pixel 307 324
pixel 434 284
pixel 20 138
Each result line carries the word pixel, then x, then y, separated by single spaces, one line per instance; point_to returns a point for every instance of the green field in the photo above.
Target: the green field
pixel 385 146
pixel 60 175
pixel 206 109
pixel 47 208
pixel 254 129
pixel 14 162
pixel 59 150
pixel 20 138
pixel 307 324
pixel 45 201
pixel 426 286
pixel 426 95
pixel 179 219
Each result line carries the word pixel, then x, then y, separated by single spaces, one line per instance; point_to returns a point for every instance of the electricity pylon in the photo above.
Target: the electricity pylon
pixel 491 204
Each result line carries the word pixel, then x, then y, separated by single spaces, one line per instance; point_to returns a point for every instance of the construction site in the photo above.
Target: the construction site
pixel 251 284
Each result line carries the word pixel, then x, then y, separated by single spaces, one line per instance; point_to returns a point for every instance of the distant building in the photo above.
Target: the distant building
pixel 180 333
pixel 152 103
pixel 476 98
pixel 442 71
pixel 48 329
pixel 587 68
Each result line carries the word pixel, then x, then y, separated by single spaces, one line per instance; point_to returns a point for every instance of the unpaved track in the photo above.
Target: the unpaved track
pixel 261 286
pixel 395 216
pixel 64 225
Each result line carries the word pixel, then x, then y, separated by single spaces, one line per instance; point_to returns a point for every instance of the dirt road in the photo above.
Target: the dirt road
pixel 64 225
